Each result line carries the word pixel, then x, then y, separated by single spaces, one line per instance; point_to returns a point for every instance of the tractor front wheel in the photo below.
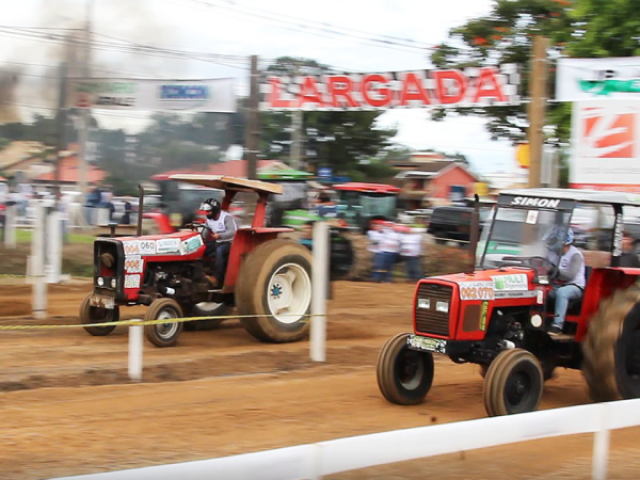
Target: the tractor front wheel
pixel 163 334
pixel 90 315
pixel 273 292
pixel 611 349
pixel 513 384
pixel 404 376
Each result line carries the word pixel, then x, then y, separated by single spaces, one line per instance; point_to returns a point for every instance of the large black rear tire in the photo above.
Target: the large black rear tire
pixel 611 349
pixel 89 315
pixel 404 376
pixel 274 284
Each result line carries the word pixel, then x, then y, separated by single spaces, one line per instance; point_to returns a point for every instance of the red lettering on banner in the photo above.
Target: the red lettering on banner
pixel 450 76
pixel 340 87
pixel 384 91
pixel 412 89
pixel 274 99
pixel 309 93
pixel 487 85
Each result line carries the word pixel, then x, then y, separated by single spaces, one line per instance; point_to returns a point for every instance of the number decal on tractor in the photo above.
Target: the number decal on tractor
pixel 148 247
pixel 476 291
pixel 134 264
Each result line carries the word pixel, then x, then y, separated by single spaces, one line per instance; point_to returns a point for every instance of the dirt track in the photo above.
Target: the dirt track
pixel 221 393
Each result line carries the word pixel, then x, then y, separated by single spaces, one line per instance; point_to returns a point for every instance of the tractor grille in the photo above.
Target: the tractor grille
pixel 429 320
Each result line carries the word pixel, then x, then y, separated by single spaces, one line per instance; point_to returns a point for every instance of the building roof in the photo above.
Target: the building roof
pixel 434 169
pixel 70 172
pixel 582 196
pixel 2 179
pixel 419 158
pixel 232 168
pixel 367 187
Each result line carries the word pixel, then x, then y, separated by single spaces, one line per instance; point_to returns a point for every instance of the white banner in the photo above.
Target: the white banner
pixel 477 86
pixel 153 95
pixel 606 145
pixel 598 78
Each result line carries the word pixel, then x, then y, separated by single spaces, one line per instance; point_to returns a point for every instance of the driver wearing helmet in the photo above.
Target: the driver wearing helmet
pixel 569 283
pixel 222 228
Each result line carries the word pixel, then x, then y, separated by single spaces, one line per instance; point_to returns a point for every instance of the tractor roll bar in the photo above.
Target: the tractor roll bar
pixel 475 231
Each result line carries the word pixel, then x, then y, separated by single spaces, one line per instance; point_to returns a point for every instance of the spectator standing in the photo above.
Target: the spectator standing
pixel 375 236
pixel 628 258
pixel 411 251
pixel 390 247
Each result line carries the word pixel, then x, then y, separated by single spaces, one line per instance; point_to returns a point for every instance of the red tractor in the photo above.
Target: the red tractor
pixel 266 276
pixel 497 314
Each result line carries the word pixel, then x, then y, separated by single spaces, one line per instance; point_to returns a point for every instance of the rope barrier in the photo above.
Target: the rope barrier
pixel 145 322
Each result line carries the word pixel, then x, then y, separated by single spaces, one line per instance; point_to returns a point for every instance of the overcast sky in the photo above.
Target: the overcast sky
pixel 245 27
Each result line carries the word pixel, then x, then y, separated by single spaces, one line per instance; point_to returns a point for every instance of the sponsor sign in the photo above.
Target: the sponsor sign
pixel 213 95
pixel 483 316
pixel 476 291
pixel 134 264
pixel 581 79
pixel 167 245
pixel 191 245
pixel 605 151
pixel 517 281
pixel 477 86
pixel 535 202
pixel 132 281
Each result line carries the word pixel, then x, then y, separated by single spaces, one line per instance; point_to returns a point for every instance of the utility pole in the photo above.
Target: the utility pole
pixel 251 132
pixel 86 112
pixel 62 122
pixel 537 104
pixel 296 139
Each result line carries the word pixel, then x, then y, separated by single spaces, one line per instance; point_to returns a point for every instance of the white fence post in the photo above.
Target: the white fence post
pixel 54 247
pixel 10 227
pixel 136 343
pixel 39 302
pixel 601 446
pixel 318 335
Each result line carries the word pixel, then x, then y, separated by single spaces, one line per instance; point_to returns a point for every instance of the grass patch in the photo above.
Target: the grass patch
pixel 24 236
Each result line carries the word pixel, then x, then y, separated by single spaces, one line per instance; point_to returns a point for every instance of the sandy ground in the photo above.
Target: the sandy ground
pixel 67 408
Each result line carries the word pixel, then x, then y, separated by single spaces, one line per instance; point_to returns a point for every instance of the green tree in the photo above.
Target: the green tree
pixel 505 36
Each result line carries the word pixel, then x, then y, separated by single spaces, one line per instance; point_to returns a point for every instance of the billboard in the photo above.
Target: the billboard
pixel 215 95
pixel 477 86
pixel 606 145
pixel 593 78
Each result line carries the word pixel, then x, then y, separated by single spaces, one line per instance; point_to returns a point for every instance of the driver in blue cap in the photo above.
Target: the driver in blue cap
pixel 570 281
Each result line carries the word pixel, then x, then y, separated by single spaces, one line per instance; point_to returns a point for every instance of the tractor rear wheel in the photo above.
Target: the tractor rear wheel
pixel 274 284
pixel 163 334
pixel 611 349
pixel 404 376
pixel 513 384
pixel 89 315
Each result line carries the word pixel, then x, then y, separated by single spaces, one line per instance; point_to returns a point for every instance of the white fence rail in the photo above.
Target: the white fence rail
pixel 312 462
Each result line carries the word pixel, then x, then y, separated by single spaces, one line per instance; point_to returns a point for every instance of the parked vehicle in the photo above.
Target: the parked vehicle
pixel 454 223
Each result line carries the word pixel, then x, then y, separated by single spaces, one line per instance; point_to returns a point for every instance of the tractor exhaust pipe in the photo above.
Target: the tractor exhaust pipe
pixel 475 233
pixel 140 210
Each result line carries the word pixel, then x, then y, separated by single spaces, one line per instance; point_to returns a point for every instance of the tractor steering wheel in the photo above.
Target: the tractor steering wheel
pixel 544 266
pixel 198 227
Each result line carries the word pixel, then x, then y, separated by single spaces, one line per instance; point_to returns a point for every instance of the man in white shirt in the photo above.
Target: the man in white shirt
pixel 222 230
pixel 410 251
pixel 375 236
pixel 390 247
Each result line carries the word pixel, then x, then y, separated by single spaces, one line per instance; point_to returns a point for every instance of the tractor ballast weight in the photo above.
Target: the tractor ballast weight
pixel 498 314
pixel 265 276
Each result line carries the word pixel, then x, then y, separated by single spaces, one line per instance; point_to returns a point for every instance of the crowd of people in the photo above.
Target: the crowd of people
pixel 392 244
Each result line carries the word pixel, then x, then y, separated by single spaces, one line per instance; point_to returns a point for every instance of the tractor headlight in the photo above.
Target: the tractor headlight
pixel 100 282
pixel 424 303
pixel 442 307
pixel 113 283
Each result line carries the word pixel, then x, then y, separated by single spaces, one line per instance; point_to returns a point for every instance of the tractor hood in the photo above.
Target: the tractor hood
pixel 492 284
pixel 176 244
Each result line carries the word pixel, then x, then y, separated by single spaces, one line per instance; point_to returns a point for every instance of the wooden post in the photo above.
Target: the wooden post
pixel 251 134
pixel 537 104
